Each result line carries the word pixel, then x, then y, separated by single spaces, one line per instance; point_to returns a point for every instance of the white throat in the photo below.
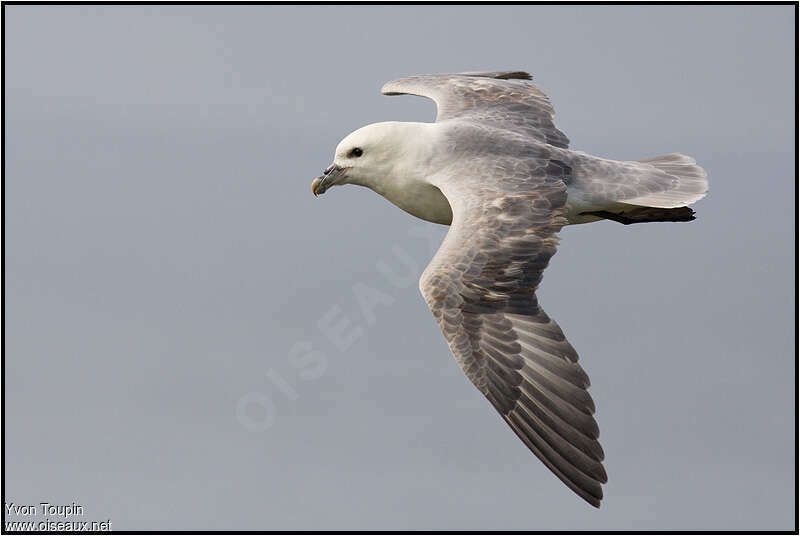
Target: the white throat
pixel 402 177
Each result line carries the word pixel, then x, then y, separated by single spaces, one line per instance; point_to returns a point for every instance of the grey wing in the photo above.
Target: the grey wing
pixel 502 99
pixel 480 287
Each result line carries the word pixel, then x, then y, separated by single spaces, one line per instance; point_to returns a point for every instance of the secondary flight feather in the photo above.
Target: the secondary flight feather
pixel 497 170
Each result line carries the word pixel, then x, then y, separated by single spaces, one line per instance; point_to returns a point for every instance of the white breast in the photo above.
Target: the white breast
pixel 422 200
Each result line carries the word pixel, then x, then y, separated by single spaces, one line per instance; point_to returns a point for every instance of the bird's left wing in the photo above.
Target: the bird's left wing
pixel 480 287
pixel 499 99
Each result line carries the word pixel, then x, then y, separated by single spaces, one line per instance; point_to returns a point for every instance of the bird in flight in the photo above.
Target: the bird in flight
pixel 496 170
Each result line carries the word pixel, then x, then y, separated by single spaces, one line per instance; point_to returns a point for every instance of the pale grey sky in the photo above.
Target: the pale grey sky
pixel 170 277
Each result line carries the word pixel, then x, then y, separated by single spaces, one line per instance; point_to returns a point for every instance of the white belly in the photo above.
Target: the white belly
pixel 422 200
pixel 427 202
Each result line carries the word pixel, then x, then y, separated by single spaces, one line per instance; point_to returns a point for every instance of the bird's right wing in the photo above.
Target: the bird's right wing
pixel 480 287
pixel 500 99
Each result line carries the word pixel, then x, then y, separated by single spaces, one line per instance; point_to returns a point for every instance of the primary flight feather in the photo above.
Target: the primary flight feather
pixel 496 169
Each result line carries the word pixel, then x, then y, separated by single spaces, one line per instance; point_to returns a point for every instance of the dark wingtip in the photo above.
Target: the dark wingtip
pixel 516 75
pixel 501 75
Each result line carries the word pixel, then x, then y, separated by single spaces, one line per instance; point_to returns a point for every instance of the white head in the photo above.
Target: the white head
pixel 373 155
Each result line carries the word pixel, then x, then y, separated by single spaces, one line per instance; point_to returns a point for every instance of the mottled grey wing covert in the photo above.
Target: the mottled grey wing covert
pixel 500 99
pixel 480 287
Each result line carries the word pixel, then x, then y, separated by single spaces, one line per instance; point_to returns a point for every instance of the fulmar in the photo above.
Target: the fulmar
pixel 494 167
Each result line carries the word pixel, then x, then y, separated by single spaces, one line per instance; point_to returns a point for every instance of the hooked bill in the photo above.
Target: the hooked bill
pixel 314 184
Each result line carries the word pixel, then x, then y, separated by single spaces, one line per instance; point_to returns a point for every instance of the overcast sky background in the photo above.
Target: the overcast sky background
pixel 168 270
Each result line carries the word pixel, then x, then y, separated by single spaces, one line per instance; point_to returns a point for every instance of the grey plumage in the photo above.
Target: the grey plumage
pixel 507 102
pixel 497 170
pixel 494 99
pixel 508 177
pixel 480 287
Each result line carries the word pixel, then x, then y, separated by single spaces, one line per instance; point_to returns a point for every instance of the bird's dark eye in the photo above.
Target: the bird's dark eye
pixel 356 152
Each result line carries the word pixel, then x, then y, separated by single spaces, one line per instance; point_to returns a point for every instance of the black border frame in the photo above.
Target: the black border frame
pixel 401 2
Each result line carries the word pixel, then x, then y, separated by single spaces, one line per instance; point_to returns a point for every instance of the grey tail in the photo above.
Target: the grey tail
pixel 692 184
pixel 646 215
